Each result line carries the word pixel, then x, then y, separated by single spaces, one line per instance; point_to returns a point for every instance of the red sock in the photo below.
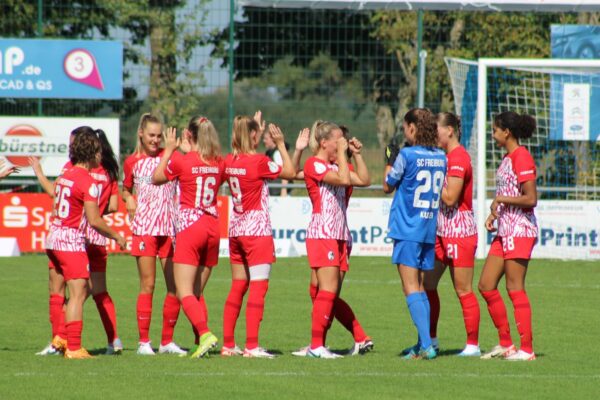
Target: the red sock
pixel 108 315
pixel 312 291
pixel 345 315
pixel 57 319
pixel 193 310
pixel 255 308
pixel 471 316
pixel 523 318
pixel 205 310
pixel 74 329
pixel 321 315
pixel 434 305
pixel 497 311
pixel 144 315
pixel 233 304
pixel 171 308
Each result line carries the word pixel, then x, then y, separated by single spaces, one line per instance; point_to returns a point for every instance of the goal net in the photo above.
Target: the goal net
pixel 562 95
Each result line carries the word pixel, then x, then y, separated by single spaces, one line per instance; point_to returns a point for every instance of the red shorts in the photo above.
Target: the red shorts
pixel 327 253
pixel 70 264
pixel 198 244
pixel 152 246
pixel 97 257
pixel 511 247
pixel 251 250
pixel 456 252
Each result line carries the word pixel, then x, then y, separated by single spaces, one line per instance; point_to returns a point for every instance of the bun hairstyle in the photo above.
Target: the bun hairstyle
pixel 520 126
pixel 320 130
pixel 448 120
pixel 85 145
pixel 241 141
pixel 109 160
pixel 206 137
pixel 426 124
pixel 145 119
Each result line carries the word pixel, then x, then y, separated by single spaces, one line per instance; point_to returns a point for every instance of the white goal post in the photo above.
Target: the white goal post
pixel 483 64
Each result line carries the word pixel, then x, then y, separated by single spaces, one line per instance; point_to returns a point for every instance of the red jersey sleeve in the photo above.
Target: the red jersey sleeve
pixel 128 172
pixel 114 188
pixel 89 189
pixel 173 169
pixel 315 169
pixel 458 165
pixel 524 166
pixel 267 169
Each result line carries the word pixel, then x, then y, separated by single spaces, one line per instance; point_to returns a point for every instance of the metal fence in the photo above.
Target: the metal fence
pixel 355 67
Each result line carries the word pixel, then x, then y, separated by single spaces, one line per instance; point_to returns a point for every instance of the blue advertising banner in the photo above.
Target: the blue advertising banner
pixel 65 69
pixel 573 96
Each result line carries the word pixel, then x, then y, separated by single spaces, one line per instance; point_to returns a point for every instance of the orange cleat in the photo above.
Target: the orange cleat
pixel 80 354
pixel 59 343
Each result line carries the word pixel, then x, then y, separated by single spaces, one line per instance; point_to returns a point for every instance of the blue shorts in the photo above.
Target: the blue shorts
pixel 414 254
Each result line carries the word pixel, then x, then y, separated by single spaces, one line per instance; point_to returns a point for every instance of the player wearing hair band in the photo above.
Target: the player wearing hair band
pixel 200 174
pixel 75 196
pixel 456 239
pixel 417 176
pixel 105 177
pixel 510 252
pixel 341 309
pixel 251 248
pixel 153 227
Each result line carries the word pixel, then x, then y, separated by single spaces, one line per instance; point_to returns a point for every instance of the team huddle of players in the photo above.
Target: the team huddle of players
pixel 170 189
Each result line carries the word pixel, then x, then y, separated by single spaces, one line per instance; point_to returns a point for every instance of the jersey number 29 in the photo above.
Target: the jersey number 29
pixel 429 185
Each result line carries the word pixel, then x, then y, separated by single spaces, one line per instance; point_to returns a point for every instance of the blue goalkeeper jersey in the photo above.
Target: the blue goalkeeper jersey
pixel 418 176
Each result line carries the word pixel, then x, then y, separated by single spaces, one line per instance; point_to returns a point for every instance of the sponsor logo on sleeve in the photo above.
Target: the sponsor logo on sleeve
pixel 273 167
pixel 320 168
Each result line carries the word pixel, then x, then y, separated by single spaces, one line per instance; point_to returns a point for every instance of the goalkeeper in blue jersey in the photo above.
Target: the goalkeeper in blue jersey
pixel 417 176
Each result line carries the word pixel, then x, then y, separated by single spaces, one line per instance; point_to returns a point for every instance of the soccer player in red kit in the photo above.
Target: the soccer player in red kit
pixel 105 177
pixel 341 310
pixel 153 215
pixel 456 239
pixel 200 174
pixel 327 176
pixel 510 252
pixel 75 195
pixel 251 247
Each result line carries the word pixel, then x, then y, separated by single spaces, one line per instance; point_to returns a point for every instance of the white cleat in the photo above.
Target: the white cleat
pixel 48 351
pixel 470 350
pixel 499 351
pixel 114 348
pixel 302 352
pixel 171 348
pixel 520 356
pixel 231 351
pixel 257 352
pixel 322 352
pixel 361 347
pixel 145 349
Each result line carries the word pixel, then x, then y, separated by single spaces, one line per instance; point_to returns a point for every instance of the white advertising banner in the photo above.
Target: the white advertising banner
pixel 46 138
pixel 576 111
pixel 567 229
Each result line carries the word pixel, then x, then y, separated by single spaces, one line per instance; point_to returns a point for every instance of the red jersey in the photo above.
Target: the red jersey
pixel 199 184
pixel 458 221
pixel 329 202
pixel 71 190
pixel 516 168
pixel 155 214
pixel 246 175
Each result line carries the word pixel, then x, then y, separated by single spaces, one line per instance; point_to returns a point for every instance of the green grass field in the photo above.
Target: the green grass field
pixel 564 296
